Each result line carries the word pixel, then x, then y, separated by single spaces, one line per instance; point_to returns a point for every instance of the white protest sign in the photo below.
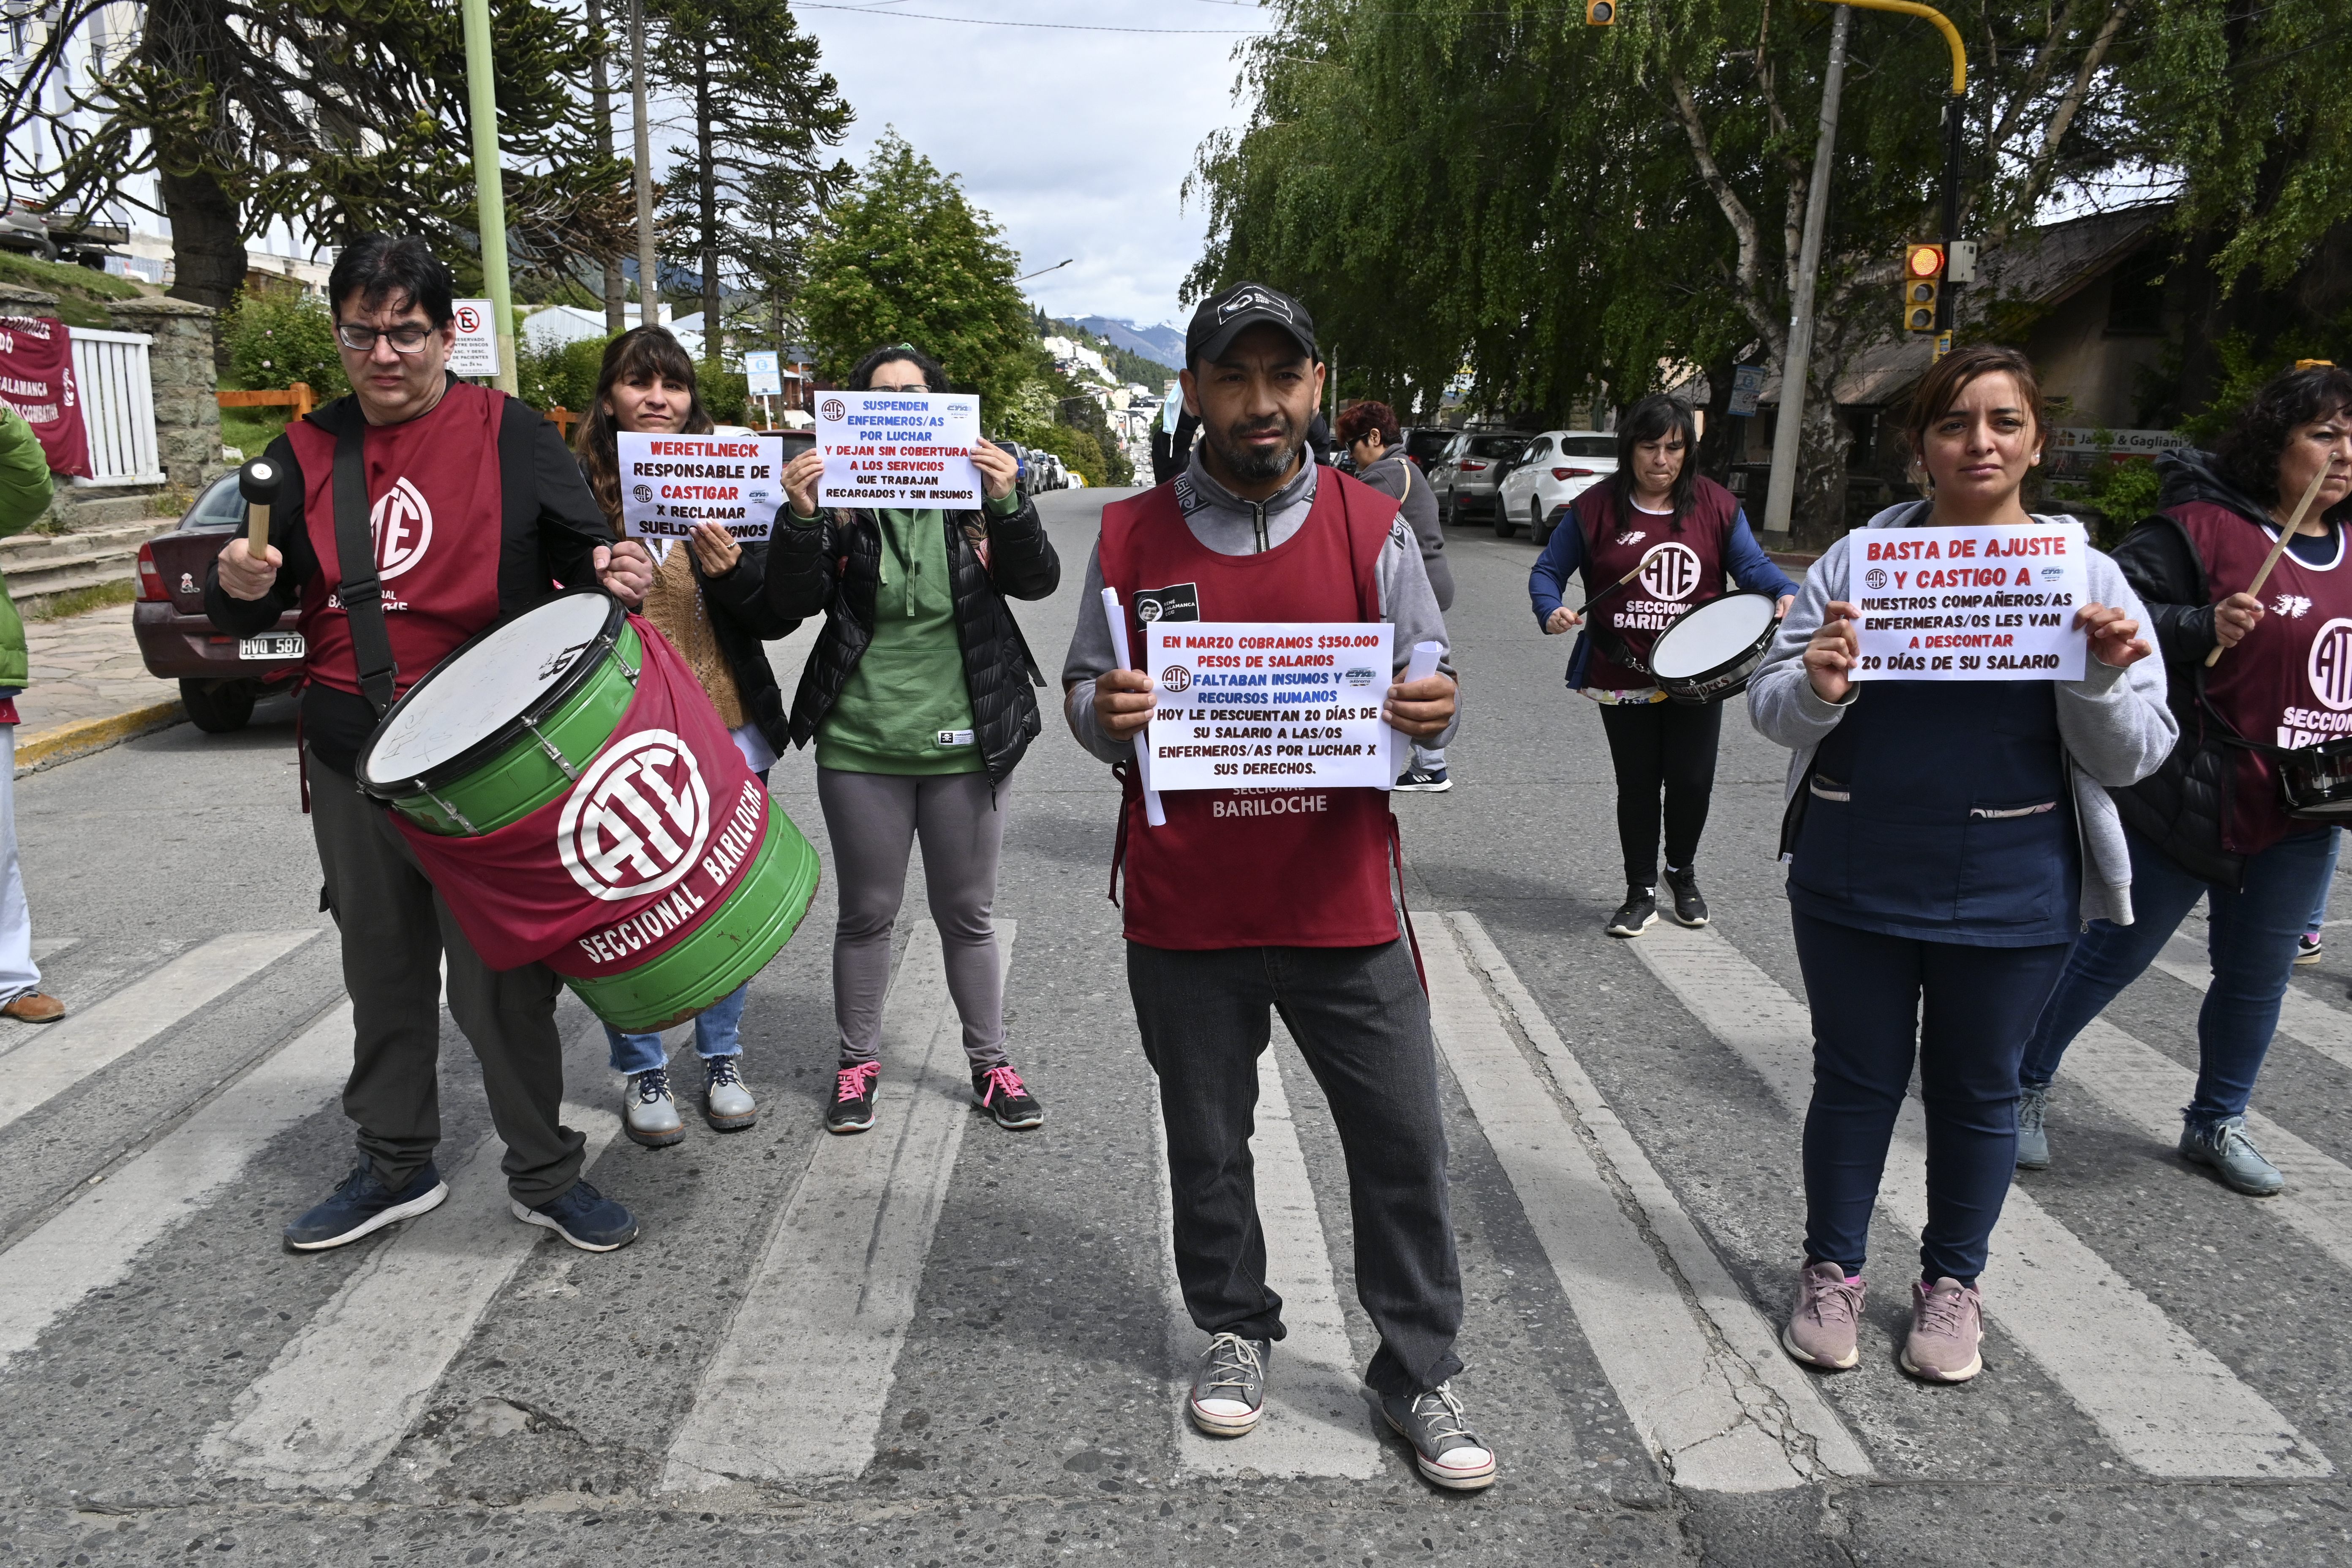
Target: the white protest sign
pixel 1249 705
pixel 670 483
pixel 1970 604
pixel 475 350
pixel 759 372
pixel 898 449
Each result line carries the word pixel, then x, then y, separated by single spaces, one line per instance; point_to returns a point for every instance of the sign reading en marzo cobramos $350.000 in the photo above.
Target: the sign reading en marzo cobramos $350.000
pixel 1249 705
pixel 898 449
pixel 1970 604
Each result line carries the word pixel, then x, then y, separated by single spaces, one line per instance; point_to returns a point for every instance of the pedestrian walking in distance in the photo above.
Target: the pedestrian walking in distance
pixel 1231 914
pixel 1369 433
pixel 2212 824
pixel 475 511
pixel 1683 531
pixel 25 490
pixel 1948 839
pixel 920 697
pixel 710 599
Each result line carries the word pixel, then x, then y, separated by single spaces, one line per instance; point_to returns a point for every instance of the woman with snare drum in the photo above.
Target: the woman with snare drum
pixel 2212 824
pixel 1946 840
pixel 710 599
pixel 1653 539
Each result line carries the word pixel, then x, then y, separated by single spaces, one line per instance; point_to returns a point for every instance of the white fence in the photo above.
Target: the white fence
pixel 117 407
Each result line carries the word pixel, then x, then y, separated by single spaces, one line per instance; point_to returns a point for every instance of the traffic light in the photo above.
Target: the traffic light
pixel 1923 279
pixel 1600 12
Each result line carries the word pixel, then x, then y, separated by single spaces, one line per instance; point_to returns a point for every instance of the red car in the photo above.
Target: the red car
pixel 220 677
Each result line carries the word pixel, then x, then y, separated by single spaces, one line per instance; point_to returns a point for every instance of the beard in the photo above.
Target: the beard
pixel 1248 464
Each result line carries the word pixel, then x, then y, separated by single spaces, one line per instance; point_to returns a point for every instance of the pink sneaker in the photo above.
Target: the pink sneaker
pixel 1821 1330
pixel 1947 1325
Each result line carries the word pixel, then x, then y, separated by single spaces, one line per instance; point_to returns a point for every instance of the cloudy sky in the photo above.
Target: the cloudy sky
pixel 1076 137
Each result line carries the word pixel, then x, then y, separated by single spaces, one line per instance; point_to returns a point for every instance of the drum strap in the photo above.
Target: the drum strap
pixel 362 596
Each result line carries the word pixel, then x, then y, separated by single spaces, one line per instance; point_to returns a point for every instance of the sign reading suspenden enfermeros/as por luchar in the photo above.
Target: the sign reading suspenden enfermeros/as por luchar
pixel 671 483
pixel 1247 704
pixel 898 449
pixel 1970 604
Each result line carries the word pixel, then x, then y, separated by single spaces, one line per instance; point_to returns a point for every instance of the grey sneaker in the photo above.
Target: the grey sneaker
pixel 726 1102
pixel 1637 914
pixel 2033 1138
pixel 1229 1387
pixel 1444 1447
pixel 1946 1326
pixel 648 1115
pixel 1821 1330
pixel 2225 1146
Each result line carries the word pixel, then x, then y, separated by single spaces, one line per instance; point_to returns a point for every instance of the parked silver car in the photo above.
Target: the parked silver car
pixel 1464 479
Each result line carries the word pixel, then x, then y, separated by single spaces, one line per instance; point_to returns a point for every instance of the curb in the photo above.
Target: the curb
pixel 63 742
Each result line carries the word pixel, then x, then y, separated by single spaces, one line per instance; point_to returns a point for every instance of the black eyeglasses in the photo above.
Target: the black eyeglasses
pixel 408 338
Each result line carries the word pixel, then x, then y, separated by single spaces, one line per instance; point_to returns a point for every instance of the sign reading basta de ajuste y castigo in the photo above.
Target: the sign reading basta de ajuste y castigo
pixel 1970 604
pixel 1253 703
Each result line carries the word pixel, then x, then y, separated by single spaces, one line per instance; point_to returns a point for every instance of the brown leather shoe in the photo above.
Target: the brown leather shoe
pixel 33 1008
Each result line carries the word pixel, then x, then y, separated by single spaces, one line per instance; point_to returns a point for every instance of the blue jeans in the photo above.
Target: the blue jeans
pixel 714 1036
pixel 2327 882
pixel 2251 939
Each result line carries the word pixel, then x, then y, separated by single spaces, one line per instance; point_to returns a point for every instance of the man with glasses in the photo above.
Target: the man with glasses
pixel 474 511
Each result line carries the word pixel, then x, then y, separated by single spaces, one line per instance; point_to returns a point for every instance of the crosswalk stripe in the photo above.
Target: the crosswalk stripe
pixel 1316 1422
pixel 1722 1410
pixel 2167 1404
pixel 797 1387
pixel 2147 1087
pixel 69 1051
pixel 345 1389
pixel 45 947
pixel 2302 1016
pixel 92 1241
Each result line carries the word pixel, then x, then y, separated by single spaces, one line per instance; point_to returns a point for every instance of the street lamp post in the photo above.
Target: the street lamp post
pixel 489 190
pixel 648 266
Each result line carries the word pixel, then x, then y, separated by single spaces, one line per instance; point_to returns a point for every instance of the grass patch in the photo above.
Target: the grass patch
pixel 58 276
pixel 81 601
pixel 250 430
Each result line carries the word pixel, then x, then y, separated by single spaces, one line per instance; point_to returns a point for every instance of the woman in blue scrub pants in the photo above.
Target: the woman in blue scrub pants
pixel 1945 839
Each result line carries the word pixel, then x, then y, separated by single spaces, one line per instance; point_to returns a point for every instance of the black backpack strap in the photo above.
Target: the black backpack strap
pixel 360 592
pixel 518 426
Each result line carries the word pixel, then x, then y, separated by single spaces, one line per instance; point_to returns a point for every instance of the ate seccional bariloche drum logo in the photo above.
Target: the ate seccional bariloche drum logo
pixel 637 819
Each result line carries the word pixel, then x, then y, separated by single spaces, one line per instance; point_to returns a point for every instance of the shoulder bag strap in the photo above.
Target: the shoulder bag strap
pixel 361 595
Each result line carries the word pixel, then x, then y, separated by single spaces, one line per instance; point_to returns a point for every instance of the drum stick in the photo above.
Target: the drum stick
pixel 257 483
pixel 2310 492
pixel 1592 599
pixel 1154 812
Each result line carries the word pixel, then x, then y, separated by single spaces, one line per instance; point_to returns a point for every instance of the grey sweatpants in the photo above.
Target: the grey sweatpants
pixel 873 820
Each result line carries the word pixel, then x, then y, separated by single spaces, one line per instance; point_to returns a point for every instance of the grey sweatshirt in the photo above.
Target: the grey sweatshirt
pixel 1223 522
pixel 2113 723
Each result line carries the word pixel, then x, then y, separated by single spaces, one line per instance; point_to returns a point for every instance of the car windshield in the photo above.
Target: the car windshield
pixel 220 506
pixel 1587 446
pixel 1425 445
pixel 1494 446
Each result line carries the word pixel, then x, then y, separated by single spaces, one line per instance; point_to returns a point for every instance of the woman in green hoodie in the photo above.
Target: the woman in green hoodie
pixel 23 497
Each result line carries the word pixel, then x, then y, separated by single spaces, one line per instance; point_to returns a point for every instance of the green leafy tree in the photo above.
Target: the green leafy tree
pixel 906 258
pixel 1078 449
pixel 277 338
pixel 563 376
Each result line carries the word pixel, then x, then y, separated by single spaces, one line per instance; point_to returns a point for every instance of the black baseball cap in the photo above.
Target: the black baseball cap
pixel 1226 315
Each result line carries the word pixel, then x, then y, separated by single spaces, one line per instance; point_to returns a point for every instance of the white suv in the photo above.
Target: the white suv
pixel 1558 467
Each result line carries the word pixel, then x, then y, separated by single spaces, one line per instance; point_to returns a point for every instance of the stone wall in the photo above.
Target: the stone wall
pixel 180 361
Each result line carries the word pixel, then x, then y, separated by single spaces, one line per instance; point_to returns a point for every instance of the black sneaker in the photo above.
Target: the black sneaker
pixel 1444 1447
pixel 2307 948
pixel 1689 908
pixel 1637 914
pixel 1419 780
pixel 852 1109
pixel 1003 1094
pixel 362 1205
pixel 583 1217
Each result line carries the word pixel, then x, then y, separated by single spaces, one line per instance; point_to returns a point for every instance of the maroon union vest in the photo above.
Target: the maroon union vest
pixel 1682 569
pixel 2288 682
pixel 434 500
pixel 1259 868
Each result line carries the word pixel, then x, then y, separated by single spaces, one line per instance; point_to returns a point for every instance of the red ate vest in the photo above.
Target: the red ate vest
pixel 1688 571
pixel 433 503
pixel 2288 682
pixel 1270 867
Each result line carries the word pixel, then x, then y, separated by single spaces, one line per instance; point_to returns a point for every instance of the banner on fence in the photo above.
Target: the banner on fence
pixel 37 379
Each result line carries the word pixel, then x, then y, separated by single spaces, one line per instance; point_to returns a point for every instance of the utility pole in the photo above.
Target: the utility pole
pixel 648 268
pixel 1789 426
pixel 600 97
pixel 489 189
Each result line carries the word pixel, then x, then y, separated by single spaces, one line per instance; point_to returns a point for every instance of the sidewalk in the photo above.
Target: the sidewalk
pixel 89 689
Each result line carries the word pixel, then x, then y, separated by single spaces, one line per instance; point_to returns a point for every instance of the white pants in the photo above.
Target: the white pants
pixel 19 974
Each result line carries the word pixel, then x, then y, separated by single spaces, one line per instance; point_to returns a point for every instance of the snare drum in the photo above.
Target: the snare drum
pixel 2316 781
pixel 1707 653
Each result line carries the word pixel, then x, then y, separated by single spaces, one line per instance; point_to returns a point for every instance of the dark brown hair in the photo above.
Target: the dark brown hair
pixel 1655 418
pixel 1940 390
pixel 638 355
pixel 2248 457
pixel 1362 418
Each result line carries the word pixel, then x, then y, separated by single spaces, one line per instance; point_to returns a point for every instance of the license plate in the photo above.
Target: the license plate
pixel 275 644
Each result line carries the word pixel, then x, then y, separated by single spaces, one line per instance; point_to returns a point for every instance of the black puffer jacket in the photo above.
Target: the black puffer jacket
pixel 833 568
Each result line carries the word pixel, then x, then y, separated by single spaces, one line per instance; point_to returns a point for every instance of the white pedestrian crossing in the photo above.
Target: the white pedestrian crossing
pixel 96 1036
pixel 818 1329
pixel 2165 1402
pixel 2302 1016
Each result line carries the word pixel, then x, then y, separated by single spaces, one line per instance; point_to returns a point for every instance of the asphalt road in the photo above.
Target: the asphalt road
pixel 942 1342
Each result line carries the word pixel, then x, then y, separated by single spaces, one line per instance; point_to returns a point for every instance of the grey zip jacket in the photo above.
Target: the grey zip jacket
pixel 2113 723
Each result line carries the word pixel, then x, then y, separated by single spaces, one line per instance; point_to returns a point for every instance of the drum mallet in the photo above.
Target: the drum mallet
pixel 2262 576
pixel 257 483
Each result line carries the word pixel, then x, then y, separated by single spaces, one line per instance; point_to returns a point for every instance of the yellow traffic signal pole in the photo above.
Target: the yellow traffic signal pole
pixel 489 189
pixel 1953 128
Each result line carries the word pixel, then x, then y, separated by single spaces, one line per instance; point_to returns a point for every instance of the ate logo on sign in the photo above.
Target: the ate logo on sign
pixel 637 819
pixel 2330 665
pixel 403 524
pixel 1671 572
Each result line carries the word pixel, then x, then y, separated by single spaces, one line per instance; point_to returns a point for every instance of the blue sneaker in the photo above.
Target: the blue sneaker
pixel 362 1205
pixel 2224 1146
pixel 585 1217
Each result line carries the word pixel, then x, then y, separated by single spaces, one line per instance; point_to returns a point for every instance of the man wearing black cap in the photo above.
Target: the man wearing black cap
pixel 1247 900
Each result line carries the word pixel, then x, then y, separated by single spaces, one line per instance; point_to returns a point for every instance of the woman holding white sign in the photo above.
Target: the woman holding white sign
pixel 710 599
pixel 1948 832
pixel 920 697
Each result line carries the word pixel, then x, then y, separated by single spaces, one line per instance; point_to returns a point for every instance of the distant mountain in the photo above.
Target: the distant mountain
pixel 1162 345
